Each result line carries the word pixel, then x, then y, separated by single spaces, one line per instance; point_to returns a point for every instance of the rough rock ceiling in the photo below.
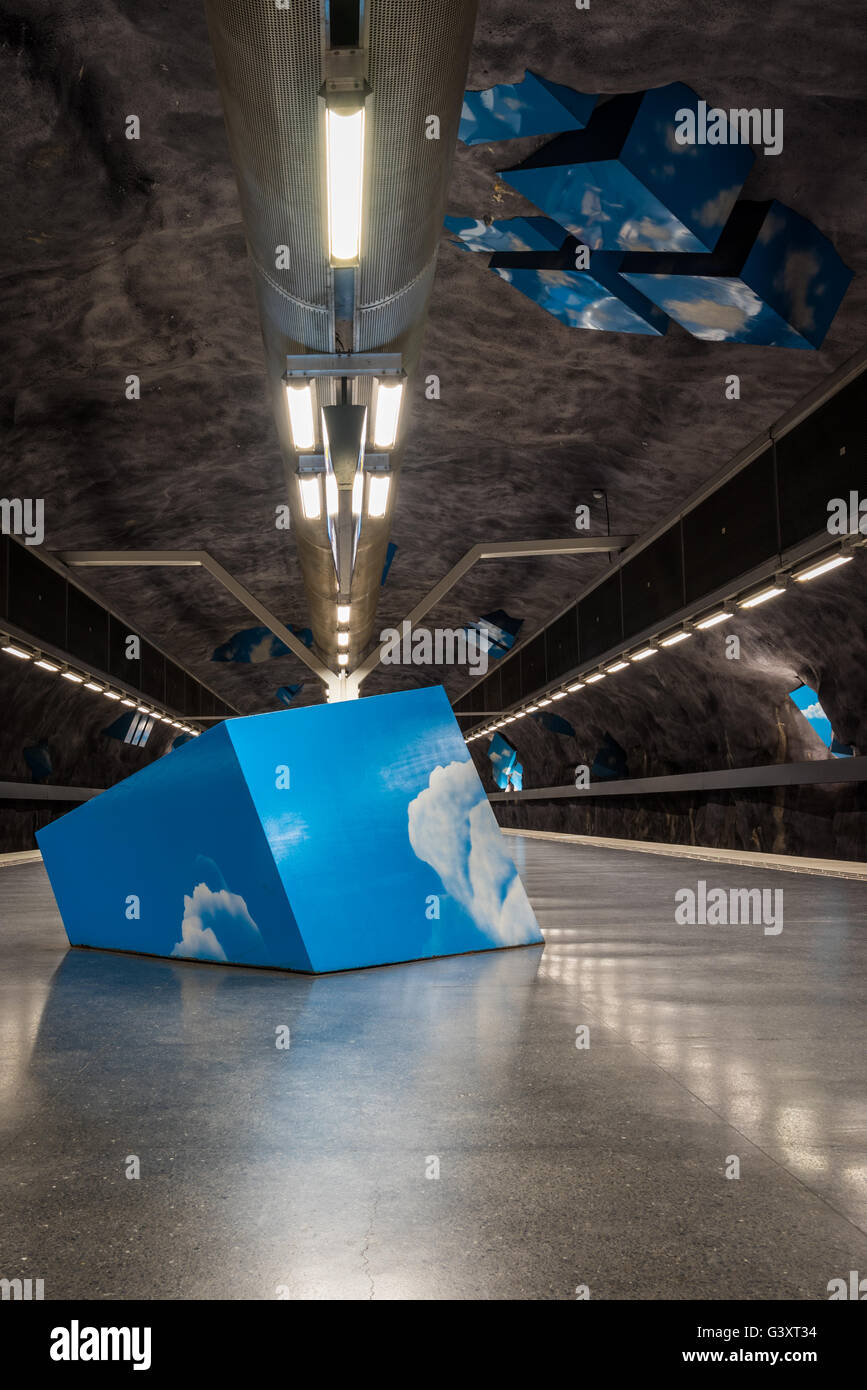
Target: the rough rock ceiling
pixel 126 257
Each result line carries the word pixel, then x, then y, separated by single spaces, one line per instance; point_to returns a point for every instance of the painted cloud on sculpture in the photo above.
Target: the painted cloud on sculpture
pixel 217 926
pixel 452 828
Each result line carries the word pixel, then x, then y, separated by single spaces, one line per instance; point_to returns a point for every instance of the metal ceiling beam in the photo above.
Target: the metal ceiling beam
pixel 191 559
pixel 486 550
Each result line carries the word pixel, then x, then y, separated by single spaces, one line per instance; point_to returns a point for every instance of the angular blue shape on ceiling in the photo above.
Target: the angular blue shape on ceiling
pixel 807 701
pixel 132 728
pixel 597 298
pixel 627 184
pixel 773 280
pixel 508 772
pixel 511 234
pixel 496 632
pixel 287 693
pixel 555 723
pixel 255 644
pixel 389 556
pixel 238 849
pixel 533 106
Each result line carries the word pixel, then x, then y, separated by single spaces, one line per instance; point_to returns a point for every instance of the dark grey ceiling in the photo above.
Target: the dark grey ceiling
pixel 126 257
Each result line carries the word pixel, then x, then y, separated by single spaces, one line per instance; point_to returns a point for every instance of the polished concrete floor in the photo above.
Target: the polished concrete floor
pixel 303 1173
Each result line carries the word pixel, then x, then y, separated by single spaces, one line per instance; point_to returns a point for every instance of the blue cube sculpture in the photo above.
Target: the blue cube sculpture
pixel 597 298
pixel 626 183
pixel 774 279
pixel 533 106
pixel 510 234
pixel 316 839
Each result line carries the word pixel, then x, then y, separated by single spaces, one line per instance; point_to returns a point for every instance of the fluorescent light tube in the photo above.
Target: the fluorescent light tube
pixel 579 685
pixel 389 395
pixel 675 637
pixel 761 597
pixel 544 702
pixel 357 492
pixel 618 666
pixel 92 685
pixel 311 495
pixel 713 620
pixel 813 572
pixel 16 651
pixel 71 676
pixel 332 495
pixel 343 611
pixel 47 665
pixel 344 140
pixel 129 703
pixel 377 494
pixel 643 654
pixel 343 639
pixel 559 695
pixel 531 709
pixel 597 676
pixel 110 695
pixel 299 396
pixel 342 659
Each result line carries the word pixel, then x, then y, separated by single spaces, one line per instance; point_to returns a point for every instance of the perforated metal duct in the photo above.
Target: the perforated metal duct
pixel 269 67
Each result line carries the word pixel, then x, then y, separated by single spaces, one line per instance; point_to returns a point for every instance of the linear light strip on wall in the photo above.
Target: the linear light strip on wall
pixel 85 680
pixel 752 599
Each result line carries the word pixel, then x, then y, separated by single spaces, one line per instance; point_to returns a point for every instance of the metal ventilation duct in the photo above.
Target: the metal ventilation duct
pixel 270 69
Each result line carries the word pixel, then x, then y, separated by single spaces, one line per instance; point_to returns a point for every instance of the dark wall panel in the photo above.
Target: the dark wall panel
pixel 733 530
pixel 119 664
pixel 561 644
pixel 37 597
pixel 599 619
pixel 153 674
pixel 510 677
pixel 533 665
pixel 4 576
pixel 175 687
pixel 653 583
pixel 823 458
pixel 86 630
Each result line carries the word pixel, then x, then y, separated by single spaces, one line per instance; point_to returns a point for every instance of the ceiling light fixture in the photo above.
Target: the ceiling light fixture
pixel 92 685
pixel 386 412
pixel 71 676
pixel 618 666
pixel 110 695
pixel 311 495
pixel 559 695
pixel 544 702
pixel 377 494
pixel 713 620
pixel 47 665
pixel 821 567
pixel 597 676
pixel 762 596
pixel 299 397
pixel 643 654
pixel 343 639
pixel 344 143
pixel 579 685
pixel 342 659
pixel 343 612
pixel 16 651
pixel 675 637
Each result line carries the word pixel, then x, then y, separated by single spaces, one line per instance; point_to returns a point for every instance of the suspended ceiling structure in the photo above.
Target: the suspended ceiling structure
pixel 343 195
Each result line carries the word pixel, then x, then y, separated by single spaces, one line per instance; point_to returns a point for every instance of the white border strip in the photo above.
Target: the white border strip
pixel 788 863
